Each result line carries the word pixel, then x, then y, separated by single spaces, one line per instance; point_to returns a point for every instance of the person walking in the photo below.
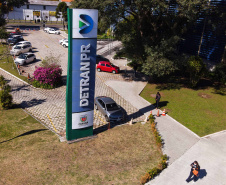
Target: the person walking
pixel 157 99
pixel 195 168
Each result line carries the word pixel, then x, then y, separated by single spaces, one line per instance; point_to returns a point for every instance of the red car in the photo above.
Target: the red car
pixel 107 66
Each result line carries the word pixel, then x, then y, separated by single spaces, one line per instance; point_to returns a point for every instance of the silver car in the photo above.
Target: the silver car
pixel 109 108
pixel 22 43
pixel 25 58
pixel 20 49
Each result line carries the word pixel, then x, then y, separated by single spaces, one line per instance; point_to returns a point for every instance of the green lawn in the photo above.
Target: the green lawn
pixel 8 64
pixel 31 154
pixel 202 111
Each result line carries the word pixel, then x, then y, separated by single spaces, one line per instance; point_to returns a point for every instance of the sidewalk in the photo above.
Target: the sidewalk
pixel 181 145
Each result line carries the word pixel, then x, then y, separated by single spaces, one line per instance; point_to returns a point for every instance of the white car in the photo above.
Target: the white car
pixel 54 31
pixel 62 40
pixel 20 49
pixel 22 43
pixel 65 43
pixel 25 58
pixel 46 29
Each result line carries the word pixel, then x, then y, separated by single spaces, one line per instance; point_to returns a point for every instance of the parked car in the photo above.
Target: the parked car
pixel 108 67
pixel 12 35
pixel 109 108
pixel 101 58
pixel 22 43
pixel 65 43
pixel 25 58
pixel 62 40
pixel 13 39
pixel 53 31
pixel 20 49
pixel 46 29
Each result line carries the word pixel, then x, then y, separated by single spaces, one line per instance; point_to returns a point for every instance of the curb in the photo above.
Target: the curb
pixel 15 77
pixel 214 134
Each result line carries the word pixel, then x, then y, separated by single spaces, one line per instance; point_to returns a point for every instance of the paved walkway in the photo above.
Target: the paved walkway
pixel 181 145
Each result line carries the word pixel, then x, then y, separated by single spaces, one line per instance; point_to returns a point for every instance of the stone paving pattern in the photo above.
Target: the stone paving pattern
pixel 42 103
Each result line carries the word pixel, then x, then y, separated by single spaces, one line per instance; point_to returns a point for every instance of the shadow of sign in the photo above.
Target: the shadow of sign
pixel 24 134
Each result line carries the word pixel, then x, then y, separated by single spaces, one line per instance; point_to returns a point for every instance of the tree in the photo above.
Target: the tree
pixel 196 69
pixel 163 59
pixel 3 34
pixel 7 5
pixel 143 24
pixel 62 8
pixel 5 97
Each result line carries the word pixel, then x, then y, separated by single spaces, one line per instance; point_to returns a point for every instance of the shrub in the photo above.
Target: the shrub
pixel 6 99
pixel 219 73
pixel 145 178
pixel 49 61
pixel 154 171
pixel 47 77
pixel 151 118
pixel 5 96
pixel 163 163
pixel 158 138
pixel 196 68
pixel 151 173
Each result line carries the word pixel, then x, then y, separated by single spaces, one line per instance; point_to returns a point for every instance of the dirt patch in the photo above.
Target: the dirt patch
pixel 203 95
pixel 153 95
pixel 167 111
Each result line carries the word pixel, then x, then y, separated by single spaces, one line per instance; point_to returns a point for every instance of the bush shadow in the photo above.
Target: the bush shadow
pixel 31 103
pixel 21 87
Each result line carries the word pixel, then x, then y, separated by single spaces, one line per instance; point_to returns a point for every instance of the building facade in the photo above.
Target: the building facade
pixel 36 11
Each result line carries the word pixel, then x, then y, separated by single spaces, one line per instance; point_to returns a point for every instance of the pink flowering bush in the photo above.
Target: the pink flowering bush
pixel 47 77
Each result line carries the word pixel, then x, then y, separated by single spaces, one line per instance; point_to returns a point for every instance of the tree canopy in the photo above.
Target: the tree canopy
pixel 7 5
pixel 150 30
pixel 62 7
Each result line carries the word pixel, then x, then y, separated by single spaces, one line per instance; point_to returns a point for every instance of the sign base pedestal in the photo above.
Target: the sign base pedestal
pixel 82 139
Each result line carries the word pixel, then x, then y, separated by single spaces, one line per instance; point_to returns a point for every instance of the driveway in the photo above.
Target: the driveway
pixel 48 106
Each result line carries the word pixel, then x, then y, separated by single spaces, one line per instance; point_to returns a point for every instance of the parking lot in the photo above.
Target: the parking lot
pixel 48 106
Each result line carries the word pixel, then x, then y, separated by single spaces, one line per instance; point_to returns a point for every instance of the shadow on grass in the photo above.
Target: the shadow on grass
pixel 169 86
pixel 128 117
pixel 146 109
pixel 25 134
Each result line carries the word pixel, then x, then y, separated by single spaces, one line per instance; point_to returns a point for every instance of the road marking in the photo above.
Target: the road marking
pixel 39 56
pixel 100 117
pixel 46 46
pixel 52 123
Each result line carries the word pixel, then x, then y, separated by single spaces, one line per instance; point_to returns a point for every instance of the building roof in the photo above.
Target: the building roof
pixel 47 3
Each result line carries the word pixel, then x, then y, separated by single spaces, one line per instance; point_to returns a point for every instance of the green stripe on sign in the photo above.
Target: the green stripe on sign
pixel 81 24
pixel 69 134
